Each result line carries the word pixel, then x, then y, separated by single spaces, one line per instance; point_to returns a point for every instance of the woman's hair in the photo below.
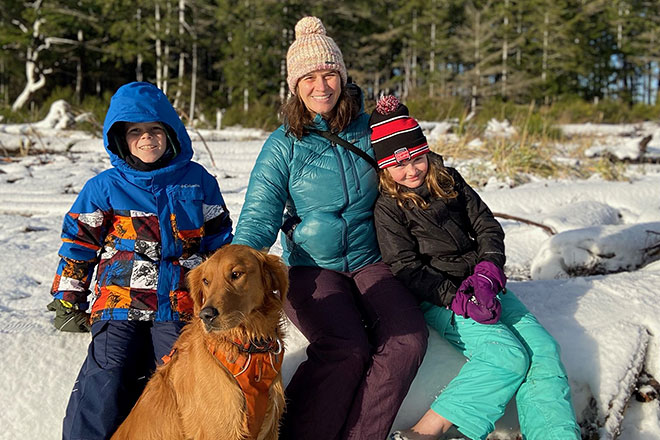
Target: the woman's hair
pixel 296 116
pixel 437 180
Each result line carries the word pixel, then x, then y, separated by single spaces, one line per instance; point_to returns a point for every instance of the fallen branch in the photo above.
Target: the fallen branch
pixel 546 228
pixel 208 150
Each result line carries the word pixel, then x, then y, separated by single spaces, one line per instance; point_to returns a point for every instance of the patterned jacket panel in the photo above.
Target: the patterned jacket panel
pixel 144 241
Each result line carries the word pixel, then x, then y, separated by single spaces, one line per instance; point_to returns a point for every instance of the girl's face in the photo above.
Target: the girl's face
pixel 320 90
pixel 410 173
pixel 146 140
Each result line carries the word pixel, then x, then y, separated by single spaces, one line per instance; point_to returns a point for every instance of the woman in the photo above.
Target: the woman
pixel 367 334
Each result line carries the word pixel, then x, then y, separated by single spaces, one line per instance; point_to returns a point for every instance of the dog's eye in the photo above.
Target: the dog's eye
pixel 205 281
pixel 236 275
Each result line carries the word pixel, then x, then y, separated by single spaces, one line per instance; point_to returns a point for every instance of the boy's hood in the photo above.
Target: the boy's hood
pixel 144 102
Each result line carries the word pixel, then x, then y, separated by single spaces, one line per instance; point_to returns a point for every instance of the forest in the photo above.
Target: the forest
pixel 572 60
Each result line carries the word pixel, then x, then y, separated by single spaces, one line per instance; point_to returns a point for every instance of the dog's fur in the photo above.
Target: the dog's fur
pixel 193 396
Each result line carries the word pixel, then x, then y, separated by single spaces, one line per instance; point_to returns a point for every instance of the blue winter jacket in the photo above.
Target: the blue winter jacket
pixel 331 189
pixel 143 229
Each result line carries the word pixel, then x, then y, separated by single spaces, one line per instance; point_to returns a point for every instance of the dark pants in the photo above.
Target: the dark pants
pixel 120 359
pixel 367 339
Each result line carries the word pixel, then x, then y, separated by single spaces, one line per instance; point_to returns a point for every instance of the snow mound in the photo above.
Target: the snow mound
pixel 580 215
pixel 597 250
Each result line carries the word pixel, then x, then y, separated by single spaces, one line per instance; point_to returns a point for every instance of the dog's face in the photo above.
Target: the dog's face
pixel 235 282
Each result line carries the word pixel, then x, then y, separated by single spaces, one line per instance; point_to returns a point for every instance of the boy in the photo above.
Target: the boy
pixel 142 224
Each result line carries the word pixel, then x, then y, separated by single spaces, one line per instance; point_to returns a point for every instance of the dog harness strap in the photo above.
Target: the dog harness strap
pixel 255 372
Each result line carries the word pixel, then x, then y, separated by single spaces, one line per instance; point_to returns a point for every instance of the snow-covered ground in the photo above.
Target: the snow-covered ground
pixel 606 324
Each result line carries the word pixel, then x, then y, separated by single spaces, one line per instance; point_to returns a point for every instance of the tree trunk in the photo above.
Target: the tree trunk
pixel 35 76
pixel 413 61
pixel 283 84
pixel 79 70
pixel 182 55
pixel 34 80
pixel 505 49
pixel 166 55
pixel 138 65
pixel 432 53
pixel 544 58
pixel 158 48
pixel 193 80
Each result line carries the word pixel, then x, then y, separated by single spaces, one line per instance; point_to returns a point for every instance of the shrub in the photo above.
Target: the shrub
pixel 262 114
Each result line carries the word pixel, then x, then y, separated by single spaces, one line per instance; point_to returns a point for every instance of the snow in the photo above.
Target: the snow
pixel 606 324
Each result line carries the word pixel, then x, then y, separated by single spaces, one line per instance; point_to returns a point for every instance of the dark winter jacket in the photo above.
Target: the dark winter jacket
pixel 144 229
pixel 331 189
pixel 433 250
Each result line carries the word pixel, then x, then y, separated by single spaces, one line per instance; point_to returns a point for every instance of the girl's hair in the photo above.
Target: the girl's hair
pixel 296 116
pixel 438 181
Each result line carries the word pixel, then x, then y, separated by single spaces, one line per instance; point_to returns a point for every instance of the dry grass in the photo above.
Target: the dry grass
pixel 521 157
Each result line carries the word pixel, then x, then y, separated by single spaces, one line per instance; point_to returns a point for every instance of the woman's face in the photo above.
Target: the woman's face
pixel 410 173
pixel 320 91
pixel 146 140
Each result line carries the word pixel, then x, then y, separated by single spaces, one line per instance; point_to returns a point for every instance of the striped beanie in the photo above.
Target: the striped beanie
pixel 312 50
pixel 395 136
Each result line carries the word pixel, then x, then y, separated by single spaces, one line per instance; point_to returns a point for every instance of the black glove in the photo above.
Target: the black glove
pixel 68 317
pixel 290 225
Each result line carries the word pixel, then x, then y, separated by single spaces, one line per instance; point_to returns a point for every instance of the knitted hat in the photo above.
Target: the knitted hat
pixel 312 50
pixel 395 136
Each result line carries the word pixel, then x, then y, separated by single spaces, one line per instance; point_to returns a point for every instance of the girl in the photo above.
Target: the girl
pixel 361 359
pixel 443 242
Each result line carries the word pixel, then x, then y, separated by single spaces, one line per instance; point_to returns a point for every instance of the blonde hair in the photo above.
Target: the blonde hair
pixel 438 181
pixel 297 117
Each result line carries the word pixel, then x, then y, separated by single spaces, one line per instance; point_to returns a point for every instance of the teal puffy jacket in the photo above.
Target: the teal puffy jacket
pixel 331 189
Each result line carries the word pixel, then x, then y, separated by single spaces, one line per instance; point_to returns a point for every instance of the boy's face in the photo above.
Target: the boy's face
pixel 146 140
pixel 410 173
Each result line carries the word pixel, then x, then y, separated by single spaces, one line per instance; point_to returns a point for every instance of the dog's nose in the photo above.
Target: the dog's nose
pixel 208 314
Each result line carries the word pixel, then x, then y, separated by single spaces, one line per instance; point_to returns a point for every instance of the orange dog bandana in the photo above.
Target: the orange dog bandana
pixel 255 369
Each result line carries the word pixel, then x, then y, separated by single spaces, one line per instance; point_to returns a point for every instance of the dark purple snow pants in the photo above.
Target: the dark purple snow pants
pixel 367 339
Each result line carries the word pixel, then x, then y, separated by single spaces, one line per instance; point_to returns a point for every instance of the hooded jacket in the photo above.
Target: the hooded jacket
pixel 143 229
pixel 330 189
pixel 433 250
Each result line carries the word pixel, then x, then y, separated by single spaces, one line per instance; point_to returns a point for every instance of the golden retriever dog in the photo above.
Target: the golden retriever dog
pixel 223 379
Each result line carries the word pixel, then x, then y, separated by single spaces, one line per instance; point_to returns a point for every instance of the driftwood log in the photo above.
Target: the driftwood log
pixel 546 228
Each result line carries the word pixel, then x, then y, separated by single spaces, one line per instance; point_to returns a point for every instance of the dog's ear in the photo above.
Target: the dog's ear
pixel 196 286
pixel 276 275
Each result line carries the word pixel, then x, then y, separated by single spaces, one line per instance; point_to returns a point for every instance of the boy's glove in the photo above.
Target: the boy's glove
pixel 485 308
pixel 68 318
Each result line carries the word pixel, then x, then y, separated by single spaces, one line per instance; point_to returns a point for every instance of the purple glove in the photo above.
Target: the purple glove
pixel 467 304
pixel 491 274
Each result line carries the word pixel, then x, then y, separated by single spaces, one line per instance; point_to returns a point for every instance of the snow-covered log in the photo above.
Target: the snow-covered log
pixel 597 250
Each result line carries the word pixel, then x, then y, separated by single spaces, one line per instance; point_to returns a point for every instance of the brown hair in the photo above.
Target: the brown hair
pixel 438 181
pixel 296 116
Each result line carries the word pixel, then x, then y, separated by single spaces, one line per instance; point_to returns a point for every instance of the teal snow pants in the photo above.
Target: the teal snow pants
pixel 515 356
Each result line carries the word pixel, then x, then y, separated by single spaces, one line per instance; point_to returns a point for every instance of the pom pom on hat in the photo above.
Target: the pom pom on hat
pixel 312 50
pixel 309 25
pixel 395 136
pixel 387 104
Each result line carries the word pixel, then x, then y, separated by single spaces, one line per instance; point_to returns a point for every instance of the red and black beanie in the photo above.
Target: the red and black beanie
pixel 395 136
